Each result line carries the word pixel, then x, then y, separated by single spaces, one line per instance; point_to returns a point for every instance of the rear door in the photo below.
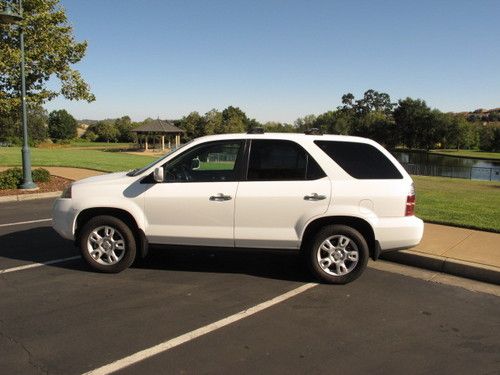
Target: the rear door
pixel 284 188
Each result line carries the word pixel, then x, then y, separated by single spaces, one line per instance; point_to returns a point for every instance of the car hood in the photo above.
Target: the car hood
pixel 110 177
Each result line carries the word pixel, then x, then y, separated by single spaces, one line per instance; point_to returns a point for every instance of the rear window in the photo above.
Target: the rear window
pixel 360 160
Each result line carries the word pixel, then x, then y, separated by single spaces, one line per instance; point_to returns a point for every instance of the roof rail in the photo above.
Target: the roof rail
pixel 313 131
pixel 257 130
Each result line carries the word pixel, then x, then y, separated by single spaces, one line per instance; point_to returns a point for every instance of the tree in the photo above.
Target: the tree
pixel 277 127
pixel 489 137
pixel 379 127
pixel 251 124
pixel 234 120
pixel 347 101
pixel 459 133
pixel 334 122
pixel 374 101
pixel 193 124
pixel 212 123
pixel 411 116
pixel 304 123
pixel 62 125
pixel 50 52
pixel 124 127
pixel 38 123
pixel 11 130
pixel 105 131
pixel 90 136
pixel 366 117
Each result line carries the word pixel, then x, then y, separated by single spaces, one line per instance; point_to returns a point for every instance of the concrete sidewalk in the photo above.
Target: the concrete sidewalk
pixel 462 252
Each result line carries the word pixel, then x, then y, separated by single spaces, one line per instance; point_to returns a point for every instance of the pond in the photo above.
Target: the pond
pixel 428 164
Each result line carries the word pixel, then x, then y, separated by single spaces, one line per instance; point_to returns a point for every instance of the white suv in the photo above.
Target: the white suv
pixel 337 199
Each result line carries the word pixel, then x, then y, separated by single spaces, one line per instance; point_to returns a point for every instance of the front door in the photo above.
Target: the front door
pixel 195 203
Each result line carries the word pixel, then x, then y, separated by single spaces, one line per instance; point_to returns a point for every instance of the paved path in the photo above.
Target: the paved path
pixel 67 172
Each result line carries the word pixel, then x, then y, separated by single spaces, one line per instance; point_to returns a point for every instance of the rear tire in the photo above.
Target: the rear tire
pixel 107 244
pixel 338 254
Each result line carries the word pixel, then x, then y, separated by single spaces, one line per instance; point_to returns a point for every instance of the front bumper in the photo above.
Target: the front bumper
pixel 63 218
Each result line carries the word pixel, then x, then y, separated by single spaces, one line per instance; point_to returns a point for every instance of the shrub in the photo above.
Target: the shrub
pixel 12 178
pixel 90 136
pixel 41 175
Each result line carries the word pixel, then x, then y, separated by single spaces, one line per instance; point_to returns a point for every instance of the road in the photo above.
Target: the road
pixel 62 318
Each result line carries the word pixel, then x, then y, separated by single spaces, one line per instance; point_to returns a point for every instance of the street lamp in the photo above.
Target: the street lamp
pixel 11 12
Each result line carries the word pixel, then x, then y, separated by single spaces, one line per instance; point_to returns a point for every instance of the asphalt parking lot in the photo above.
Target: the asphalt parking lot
pixel 62 318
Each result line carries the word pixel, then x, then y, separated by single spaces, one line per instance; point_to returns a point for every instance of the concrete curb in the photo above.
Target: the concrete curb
pixel 28 197
pixel 476 271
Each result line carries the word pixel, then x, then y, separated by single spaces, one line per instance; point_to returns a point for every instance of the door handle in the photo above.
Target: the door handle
pixel 220 197
pixel 314 197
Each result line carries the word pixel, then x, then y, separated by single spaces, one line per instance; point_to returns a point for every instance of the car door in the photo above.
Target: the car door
pixel 195 203
pixel 284 188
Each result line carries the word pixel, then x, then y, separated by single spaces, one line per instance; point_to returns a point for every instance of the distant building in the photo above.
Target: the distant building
pixel 158 131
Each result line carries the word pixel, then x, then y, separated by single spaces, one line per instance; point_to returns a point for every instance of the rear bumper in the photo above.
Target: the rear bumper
pixel 398 233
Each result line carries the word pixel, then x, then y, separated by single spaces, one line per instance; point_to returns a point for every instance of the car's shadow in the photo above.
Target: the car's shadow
pixel 43 244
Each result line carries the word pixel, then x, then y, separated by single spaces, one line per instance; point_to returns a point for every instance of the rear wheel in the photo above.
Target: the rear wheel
pixel 107 244
pixel 338 254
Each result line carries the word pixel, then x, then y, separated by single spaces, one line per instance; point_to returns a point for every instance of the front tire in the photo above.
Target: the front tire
pixel 338 254
pixel 107 244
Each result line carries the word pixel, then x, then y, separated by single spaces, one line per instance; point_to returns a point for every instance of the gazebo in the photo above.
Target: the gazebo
pixel 155 129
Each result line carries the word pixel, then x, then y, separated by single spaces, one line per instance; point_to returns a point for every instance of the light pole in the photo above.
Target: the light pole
pixel 11 12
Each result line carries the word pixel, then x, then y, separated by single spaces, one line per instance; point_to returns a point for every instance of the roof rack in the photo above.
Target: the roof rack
pixel 313 131
pixel 257 130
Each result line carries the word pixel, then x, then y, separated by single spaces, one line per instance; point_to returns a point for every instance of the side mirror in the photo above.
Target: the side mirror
pixel 158 175
pixel 195 164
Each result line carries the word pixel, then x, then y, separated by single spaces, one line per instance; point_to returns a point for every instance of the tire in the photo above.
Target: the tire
pixel 107 244
pixel 342 262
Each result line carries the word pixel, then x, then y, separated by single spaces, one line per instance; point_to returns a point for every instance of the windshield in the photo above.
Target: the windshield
pixel 138 171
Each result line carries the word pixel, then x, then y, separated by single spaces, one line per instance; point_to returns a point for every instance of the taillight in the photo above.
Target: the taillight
pixel 410 202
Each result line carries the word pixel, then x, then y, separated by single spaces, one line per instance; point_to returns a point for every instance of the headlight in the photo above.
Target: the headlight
pixel 67 192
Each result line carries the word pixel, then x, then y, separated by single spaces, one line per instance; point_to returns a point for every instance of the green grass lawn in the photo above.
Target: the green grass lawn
pixel 69 157
pixel 472 204
pixel 469 154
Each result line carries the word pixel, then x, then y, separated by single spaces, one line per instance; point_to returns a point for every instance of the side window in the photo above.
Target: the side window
pixel 215 161
pixel 360 160
pixel 275 160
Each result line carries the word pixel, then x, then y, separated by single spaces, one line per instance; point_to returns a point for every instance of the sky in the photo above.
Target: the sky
pixel 279 60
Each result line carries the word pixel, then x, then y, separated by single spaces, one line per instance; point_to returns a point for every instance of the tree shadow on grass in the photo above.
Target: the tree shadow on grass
pixel 43 244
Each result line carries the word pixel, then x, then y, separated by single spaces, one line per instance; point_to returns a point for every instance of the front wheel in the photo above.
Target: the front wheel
pixel 338 254
pixel 107 244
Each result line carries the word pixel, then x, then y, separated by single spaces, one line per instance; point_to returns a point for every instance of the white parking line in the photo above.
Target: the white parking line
pixel 172 343
pixel 34 265
pixel 25 222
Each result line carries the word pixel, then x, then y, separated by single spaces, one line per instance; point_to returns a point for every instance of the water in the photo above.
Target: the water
pixel 428 164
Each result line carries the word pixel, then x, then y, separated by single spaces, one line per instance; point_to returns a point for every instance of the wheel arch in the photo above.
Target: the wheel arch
pixel 85 215
pixel 357 223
